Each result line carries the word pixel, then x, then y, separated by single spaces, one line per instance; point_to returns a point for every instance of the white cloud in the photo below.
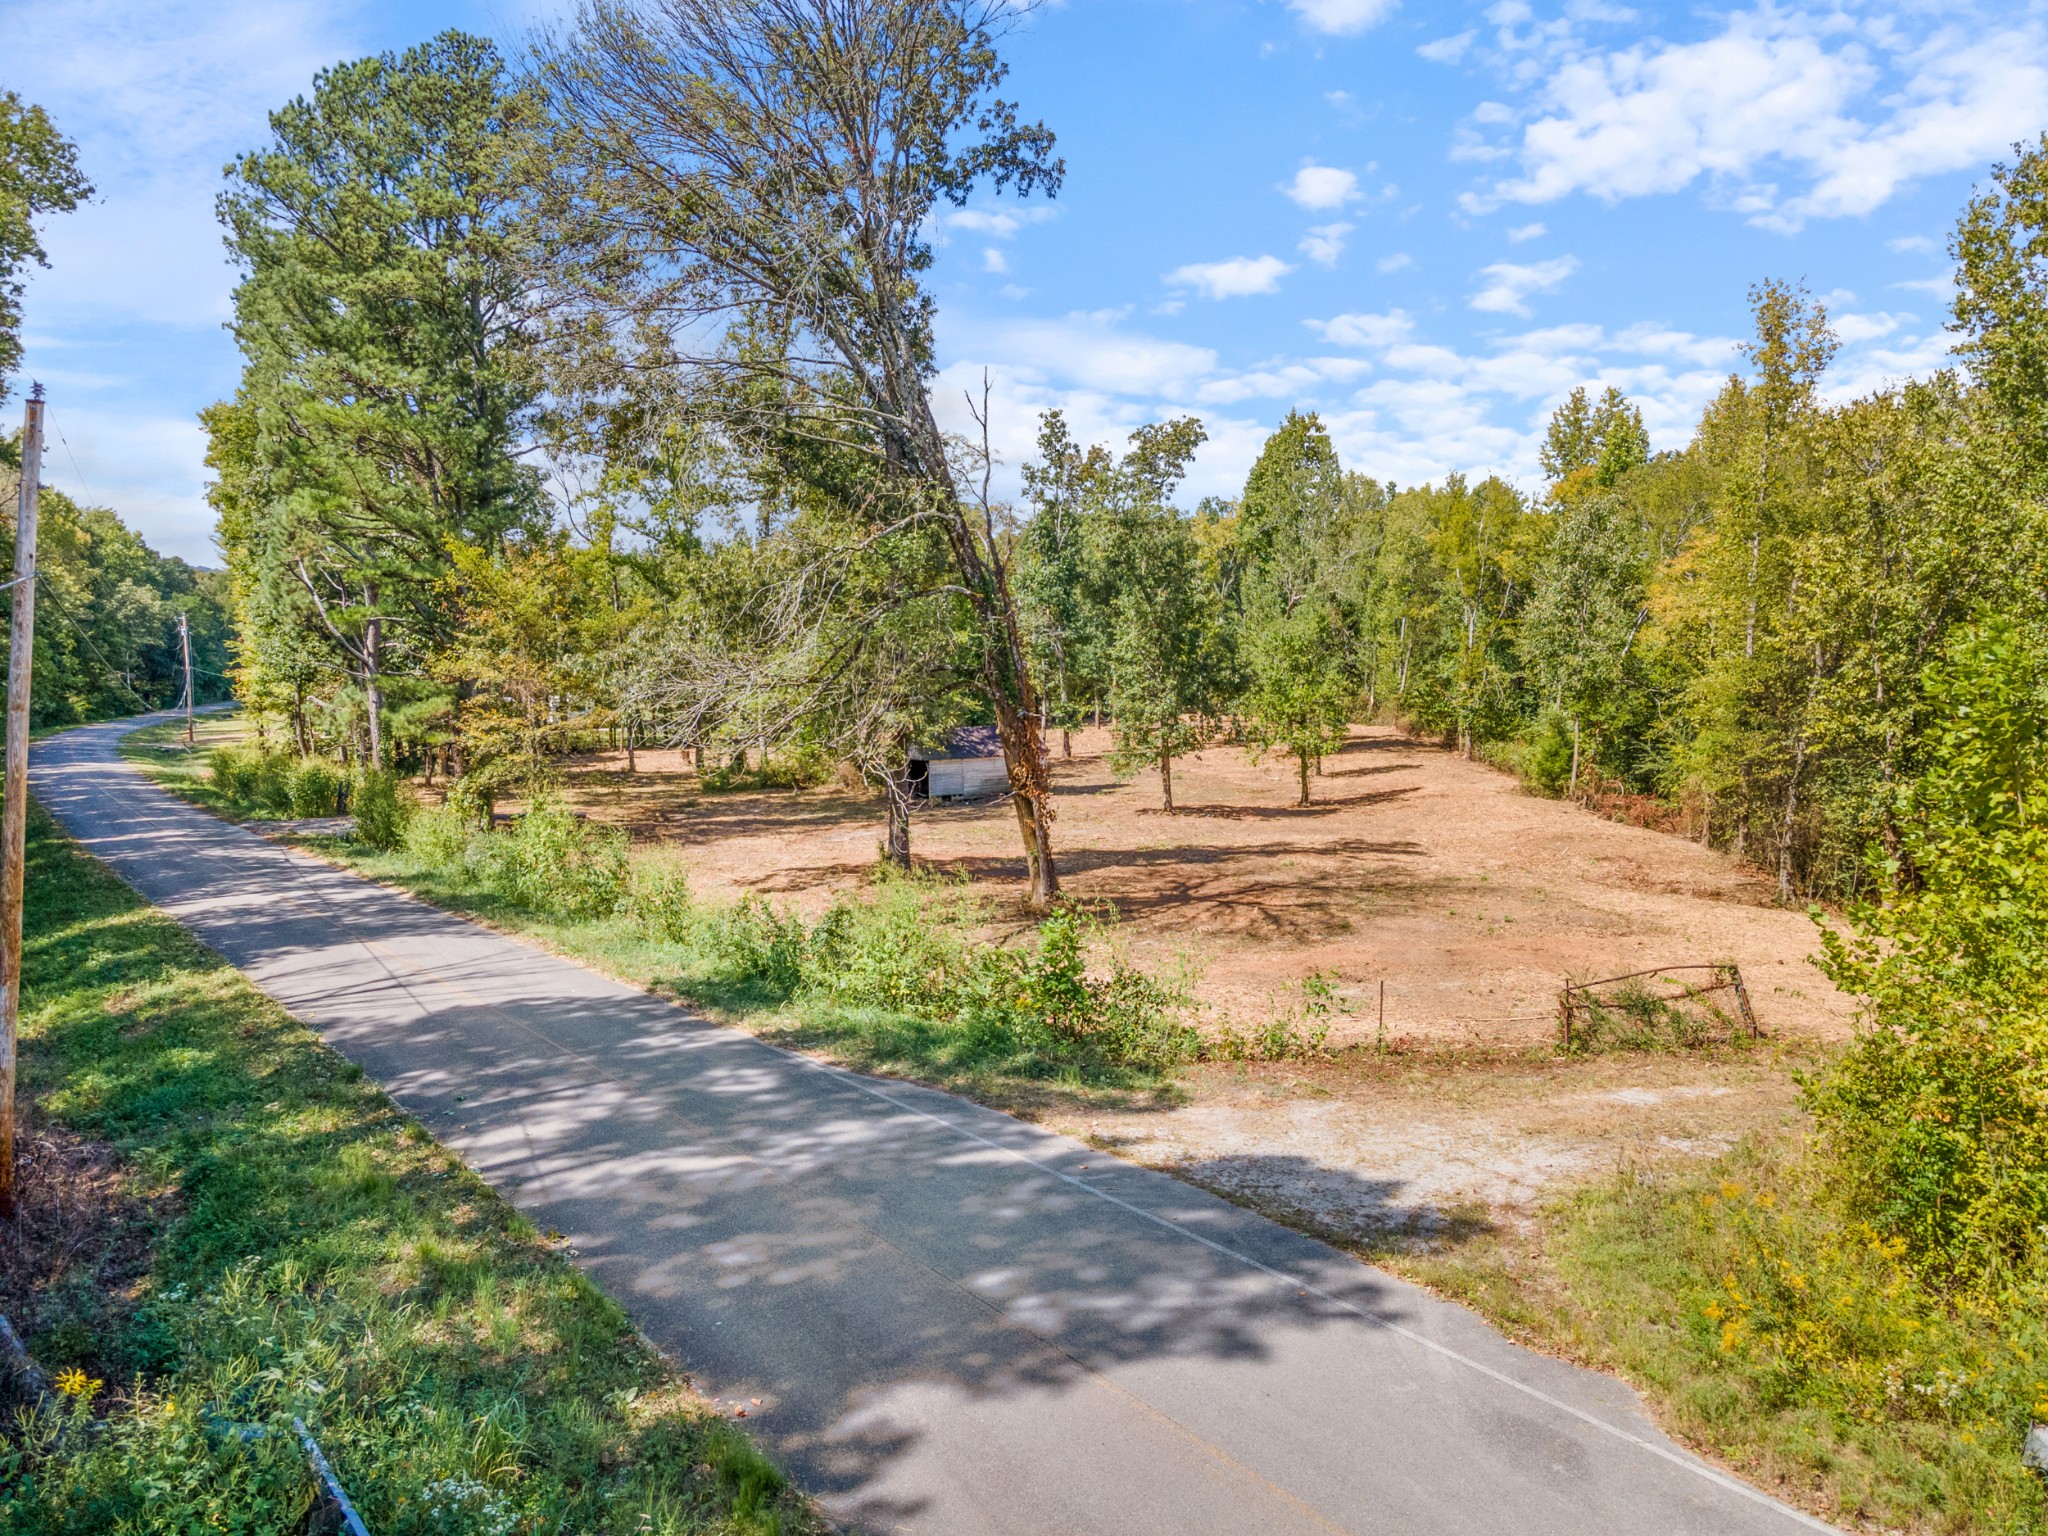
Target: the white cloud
pixel 1526 232
pixel 1506 285
pixel 1853 112
pixel 996 223
pixel 1942 288
pixel 1912 245
pixel 1851 329
pixel 1235 278
pixel 1342 17
pixel 1396 262
pixel 1324 243
pixel 993 260
pixel 1092 351
pixel 1321 187
pixel 1364 330
pixel 1447 50
pixel 148 468
pixel 1297 381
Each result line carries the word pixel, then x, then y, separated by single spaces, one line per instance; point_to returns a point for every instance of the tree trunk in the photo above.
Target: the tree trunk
pixel 1024 756
pixel 1301 758
pixel 632 766
pixel 1066 742
pixel 1785 824
pixel 697 758
pixel 373 691
pixel 1166 778
pixel 896 786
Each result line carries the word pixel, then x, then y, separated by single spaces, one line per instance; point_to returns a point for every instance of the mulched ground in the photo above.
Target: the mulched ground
pixel 73 1259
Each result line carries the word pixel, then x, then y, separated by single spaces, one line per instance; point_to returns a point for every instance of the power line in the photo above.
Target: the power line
pixel 113 672
pixel 83 482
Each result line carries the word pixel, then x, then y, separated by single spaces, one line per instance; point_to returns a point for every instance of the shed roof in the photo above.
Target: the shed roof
pixel 963 741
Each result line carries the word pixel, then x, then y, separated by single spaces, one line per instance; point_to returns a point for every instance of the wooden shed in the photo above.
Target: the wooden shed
pixel 967 765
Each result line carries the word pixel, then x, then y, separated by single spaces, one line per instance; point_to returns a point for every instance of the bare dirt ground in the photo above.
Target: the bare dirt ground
pixel 1470 899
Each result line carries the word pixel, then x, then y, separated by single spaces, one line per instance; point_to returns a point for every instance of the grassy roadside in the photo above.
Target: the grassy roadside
pixel 1842 1387
pixel 308 1250
pixel 898 983
pixel 1769 1333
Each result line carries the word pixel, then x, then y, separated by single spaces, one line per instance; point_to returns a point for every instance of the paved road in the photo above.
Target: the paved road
pixel 956 1322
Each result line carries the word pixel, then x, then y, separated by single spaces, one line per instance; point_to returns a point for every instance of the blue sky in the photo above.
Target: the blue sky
pixel 1426 221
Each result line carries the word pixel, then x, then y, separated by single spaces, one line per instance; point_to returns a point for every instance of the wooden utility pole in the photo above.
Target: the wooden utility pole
pixel 185 645
pixel 21 641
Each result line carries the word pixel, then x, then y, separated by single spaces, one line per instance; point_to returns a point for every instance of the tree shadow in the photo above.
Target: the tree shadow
pixel 910 1284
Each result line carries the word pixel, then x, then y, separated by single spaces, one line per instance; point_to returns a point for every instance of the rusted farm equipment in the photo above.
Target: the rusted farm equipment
pixel 1578 996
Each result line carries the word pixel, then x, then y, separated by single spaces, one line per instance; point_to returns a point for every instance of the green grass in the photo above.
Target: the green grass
pixel 315 1253
pixel 1781 1339
pixel 697 960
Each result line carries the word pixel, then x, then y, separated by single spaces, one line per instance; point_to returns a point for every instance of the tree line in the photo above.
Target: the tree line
pixel 108 607
pixel 594 394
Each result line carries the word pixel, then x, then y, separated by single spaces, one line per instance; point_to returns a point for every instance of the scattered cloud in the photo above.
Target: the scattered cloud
pixel 1506 286
pixel 1943 287
pixel 1342 18
pixel 1526 232
pixel 1324 243
pixel 1232 279
pixel 1396 262
pixel 996 223
pixel 1851 329
pixel 1364 330
pixel 1850 111
pixel 1321 187
pixel 1912 245
pixel 993 260
pixel 1447 50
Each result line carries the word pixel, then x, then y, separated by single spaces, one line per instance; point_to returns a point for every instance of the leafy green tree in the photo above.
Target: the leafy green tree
pixel 1598 443
pixel 389 379
pixel 1169 666
pixel 1937 1118
pixel 38 175
pixel 1301 694
pixel 1063 612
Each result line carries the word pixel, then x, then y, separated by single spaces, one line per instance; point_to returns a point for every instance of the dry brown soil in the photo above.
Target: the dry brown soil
pixel 1469 898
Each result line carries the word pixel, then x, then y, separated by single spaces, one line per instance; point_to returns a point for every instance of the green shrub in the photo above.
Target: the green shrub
pixel 1936 1119
pixel 439 837
pixel 658 899
pixel 382 806
pixel 1548 759
pixel 270 782
pixel 314 787
pixel 231 769
pixel 911 948
pixel 550 862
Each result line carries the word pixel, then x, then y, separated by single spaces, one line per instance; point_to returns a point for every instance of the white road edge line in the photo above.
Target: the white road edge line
pixel 1697 1468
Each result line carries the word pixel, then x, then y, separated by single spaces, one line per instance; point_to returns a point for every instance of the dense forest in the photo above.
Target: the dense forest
pixel 107 611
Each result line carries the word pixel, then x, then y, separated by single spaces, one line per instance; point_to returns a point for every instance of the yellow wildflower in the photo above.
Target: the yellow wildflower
pixel 73 1382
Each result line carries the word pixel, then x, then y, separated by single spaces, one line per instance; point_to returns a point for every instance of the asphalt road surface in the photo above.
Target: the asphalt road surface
pixel 955 1322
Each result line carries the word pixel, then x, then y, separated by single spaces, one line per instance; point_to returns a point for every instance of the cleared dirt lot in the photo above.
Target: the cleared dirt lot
pixel 1470 899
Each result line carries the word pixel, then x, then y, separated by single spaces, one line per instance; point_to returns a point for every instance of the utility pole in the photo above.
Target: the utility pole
pixel 185 645
pixel 14 789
